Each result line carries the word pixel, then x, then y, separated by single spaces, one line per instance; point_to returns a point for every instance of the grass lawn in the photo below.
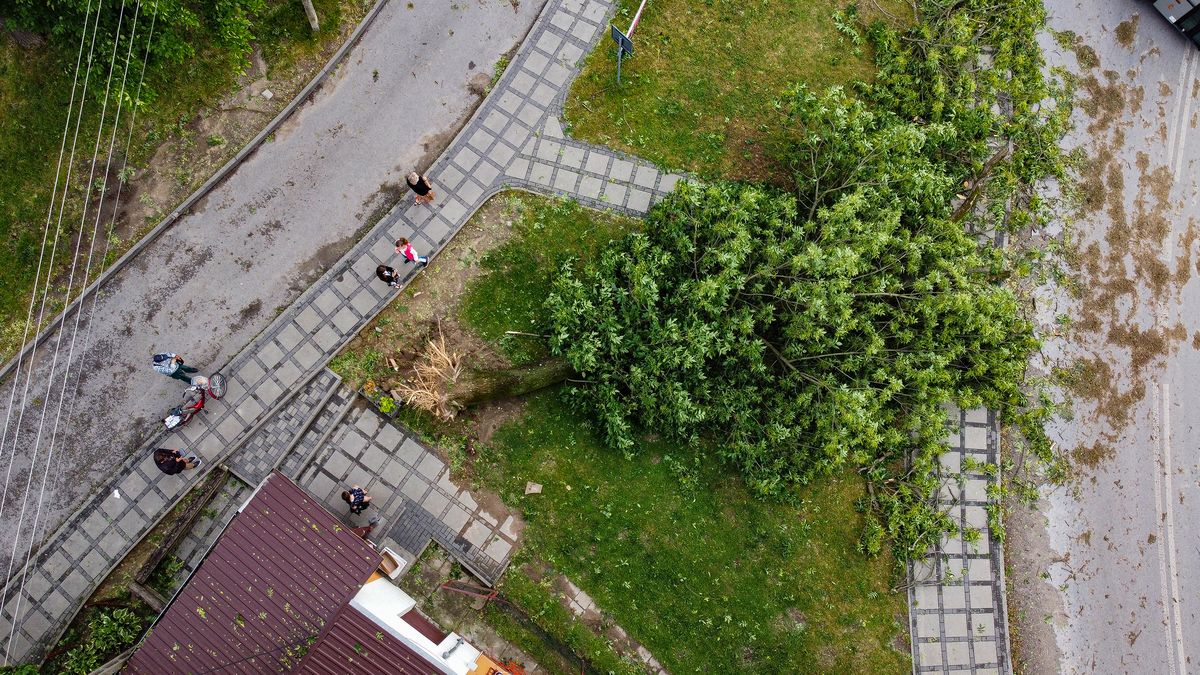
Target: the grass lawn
pixel 670 542
pixel 699 93
pixel 35 90
pixel 687 561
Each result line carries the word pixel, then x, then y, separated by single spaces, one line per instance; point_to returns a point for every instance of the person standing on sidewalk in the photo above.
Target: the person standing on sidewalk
pixel 357 498
pixel 405 248
pixel 171 365
pixel 388 275
pixel 421 186
pixel 172 462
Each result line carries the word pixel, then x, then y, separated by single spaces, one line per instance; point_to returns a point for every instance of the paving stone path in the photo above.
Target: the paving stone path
pixel 957 615
pixel 412 492
pixel 342 441
pixel 282 409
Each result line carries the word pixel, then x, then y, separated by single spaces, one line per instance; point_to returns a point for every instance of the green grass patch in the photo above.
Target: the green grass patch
pixel 687 561
pixel 699 93
pixel 537 602
pixel 518 274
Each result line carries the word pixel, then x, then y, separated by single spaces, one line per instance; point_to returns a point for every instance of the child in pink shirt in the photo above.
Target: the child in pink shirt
pixel 405 248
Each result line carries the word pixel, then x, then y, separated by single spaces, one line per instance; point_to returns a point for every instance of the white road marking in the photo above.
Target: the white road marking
pixel 1164 492
pixel 1173 129
pixel 1169 510
pixel 1160 521
pixel 1185 105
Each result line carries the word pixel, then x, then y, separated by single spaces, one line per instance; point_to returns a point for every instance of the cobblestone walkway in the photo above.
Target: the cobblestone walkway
pixel 514 140
pixel 957 612
pixel 411 492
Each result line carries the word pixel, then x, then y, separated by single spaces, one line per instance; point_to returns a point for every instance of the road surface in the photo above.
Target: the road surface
pixel 1118 546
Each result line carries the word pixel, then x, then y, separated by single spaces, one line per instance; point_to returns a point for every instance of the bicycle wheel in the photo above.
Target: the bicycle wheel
pixel 216 385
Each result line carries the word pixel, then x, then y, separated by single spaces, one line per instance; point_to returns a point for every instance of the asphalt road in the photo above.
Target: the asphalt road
pixel 219 276
pixel 1119 545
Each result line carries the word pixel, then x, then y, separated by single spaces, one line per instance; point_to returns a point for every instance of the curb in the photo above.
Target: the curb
pixel 201 192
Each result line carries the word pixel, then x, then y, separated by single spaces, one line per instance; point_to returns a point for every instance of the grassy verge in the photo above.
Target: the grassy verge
pixel 699 92
pixel 35 93
pixel 670 544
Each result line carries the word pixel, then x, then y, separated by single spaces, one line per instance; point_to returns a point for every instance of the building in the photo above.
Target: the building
pixel 289 588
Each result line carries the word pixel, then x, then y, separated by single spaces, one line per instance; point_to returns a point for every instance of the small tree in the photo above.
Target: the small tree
pixel 808 332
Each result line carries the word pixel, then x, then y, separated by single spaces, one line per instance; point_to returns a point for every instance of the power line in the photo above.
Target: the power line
pixel 87 340
pixel 78 315
pixel 58 347
pixel 42 255
pixel 49 268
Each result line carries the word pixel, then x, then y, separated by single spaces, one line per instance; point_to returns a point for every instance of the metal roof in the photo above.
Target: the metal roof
pixel 354 643
pixel 280 572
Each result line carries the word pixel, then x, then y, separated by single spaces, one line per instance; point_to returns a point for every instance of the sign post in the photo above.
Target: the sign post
pixel 625 40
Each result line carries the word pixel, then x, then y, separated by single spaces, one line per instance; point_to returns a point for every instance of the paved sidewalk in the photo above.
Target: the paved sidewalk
pixel 514 140
pixel 956 595
pixel 509 142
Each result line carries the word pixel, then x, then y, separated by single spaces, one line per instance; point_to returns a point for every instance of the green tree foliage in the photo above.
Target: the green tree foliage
pixel 179 25
pixel 808 332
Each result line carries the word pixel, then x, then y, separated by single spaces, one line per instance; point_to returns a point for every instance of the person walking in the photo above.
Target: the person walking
pixel 171 365
pixel 422 187
pixel 172 462
pixel 388 275
pixel 357 498
pixel 405 248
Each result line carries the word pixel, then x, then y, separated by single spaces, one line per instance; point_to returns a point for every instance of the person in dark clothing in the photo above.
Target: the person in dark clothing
pixel 388 276
pixel 421 186
pixel 357 498
pixel 172 462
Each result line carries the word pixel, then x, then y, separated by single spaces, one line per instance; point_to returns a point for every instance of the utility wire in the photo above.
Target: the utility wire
pixel 58 346
pixel 49 272
pixel 87 340
pixel 41 258
pixel 83 286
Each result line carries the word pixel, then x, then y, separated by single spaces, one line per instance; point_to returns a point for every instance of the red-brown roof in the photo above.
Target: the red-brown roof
pixel 282 569
pixel 356 644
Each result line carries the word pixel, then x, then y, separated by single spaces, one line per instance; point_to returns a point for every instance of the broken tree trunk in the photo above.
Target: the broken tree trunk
pixel 478 386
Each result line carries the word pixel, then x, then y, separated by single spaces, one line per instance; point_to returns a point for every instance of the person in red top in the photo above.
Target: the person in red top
pixel 405 248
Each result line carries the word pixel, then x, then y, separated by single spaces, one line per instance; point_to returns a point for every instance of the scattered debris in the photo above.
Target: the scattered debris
pixel 532 488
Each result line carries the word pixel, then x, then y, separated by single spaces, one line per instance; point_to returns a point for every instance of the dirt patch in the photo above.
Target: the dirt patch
pixel 1093 455
pixel 1127 31
pixel 486 419
pixel 1034 605
pixel 1126 274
